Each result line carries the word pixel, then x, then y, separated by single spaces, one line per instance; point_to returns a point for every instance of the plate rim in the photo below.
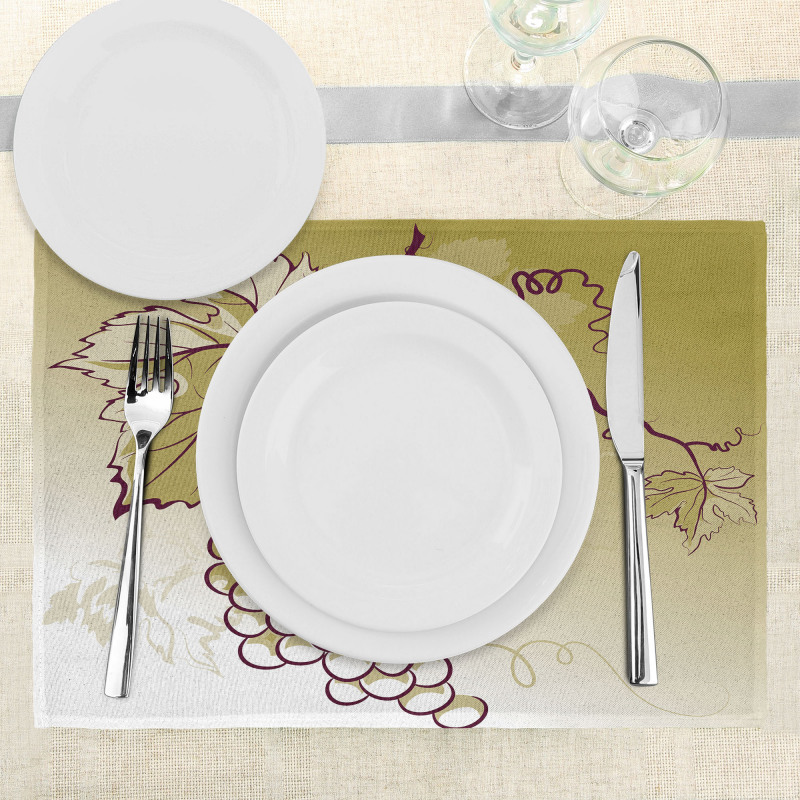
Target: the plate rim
pixel 405 276
pixel 516 378
pixel 28 136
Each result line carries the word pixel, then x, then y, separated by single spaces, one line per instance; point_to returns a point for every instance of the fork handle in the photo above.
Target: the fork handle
pixel 641 634
pixel 123 631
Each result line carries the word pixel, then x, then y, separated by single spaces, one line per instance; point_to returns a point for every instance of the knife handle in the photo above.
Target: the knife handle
pixel 641 636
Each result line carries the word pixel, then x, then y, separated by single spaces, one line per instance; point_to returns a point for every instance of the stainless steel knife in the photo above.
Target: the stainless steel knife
pixel 625 400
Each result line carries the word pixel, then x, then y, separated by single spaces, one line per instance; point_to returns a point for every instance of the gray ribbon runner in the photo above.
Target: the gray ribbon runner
pixel 8 113
pixel 759 110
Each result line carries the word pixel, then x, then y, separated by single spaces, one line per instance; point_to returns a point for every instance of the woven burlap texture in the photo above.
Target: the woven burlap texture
pixel 420 42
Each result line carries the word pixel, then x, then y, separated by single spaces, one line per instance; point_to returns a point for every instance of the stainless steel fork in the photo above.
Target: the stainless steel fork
pixel 148 405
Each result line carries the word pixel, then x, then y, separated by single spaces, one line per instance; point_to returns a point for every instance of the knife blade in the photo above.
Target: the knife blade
pixel 624 368
pixel 625 401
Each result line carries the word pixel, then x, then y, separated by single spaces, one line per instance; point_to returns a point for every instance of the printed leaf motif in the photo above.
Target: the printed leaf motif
pixel 201 331
pixel 700 504
pixel 90 602
pixel 489 256
pixel 89 599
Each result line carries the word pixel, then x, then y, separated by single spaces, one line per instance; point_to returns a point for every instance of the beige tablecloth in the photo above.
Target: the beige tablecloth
pixel 407 42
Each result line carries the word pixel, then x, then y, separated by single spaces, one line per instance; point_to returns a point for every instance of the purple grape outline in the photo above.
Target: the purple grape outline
pixel 324 658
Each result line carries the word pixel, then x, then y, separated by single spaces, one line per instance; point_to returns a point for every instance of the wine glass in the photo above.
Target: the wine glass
pixel 647 118
pixel 518 70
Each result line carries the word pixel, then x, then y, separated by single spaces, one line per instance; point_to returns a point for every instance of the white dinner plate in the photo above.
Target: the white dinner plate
pixel 373 280
pixel 399 466
pixel 169 148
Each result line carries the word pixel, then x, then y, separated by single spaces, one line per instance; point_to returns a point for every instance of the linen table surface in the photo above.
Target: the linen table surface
pixel 754 45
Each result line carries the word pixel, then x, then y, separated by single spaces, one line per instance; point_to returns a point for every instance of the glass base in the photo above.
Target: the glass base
pixel 593 196
pixel 514 92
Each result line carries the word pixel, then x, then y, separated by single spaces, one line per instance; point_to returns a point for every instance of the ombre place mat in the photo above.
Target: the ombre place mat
pixel 206 658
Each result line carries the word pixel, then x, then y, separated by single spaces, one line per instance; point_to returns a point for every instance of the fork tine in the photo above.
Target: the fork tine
pixel 134 359
pixel 157 358
pixel 168 385
pixel 146 356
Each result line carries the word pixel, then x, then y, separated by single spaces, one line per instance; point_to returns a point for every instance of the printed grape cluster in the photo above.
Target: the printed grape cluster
pixel 422 690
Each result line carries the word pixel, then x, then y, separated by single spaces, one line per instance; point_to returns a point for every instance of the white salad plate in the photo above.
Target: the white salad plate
pixel 362 282
pixel 169 148
pixel 399 466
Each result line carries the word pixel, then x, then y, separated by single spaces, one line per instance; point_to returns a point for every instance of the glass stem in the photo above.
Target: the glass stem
pixel 521 62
